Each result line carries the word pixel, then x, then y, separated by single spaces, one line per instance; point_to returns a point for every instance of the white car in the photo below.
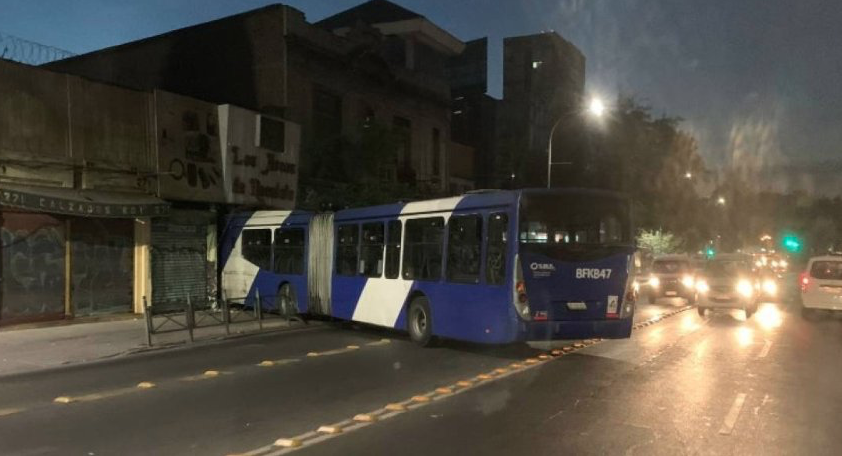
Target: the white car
pixel 727 282
pixel 821 284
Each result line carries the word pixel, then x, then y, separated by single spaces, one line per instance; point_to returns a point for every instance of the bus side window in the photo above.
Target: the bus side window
pixel 423 248
pixel 464 242
pixel 393 250
pixel 371 252
pixel 495 248
pixel 257 247
pixel 289 251
pixel 346 250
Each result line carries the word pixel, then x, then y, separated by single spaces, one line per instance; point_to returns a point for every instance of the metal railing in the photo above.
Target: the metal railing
pixel 229 312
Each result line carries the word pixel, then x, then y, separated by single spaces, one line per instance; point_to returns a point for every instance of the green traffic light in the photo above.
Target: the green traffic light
pixel 710 252
pixel 791 243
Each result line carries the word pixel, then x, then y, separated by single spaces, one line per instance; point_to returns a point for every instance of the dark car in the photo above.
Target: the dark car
pixel 672 277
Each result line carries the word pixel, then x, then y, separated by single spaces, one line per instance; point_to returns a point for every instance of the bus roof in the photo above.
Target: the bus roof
pixel 471 200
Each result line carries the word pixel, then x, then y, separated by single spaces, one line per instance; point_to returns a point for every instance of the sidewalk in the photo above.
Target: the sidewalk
pixel 32 349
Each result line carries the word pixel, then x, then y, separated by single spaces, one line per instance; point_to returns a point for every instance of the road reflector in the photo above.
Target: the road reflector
pixel 267 363
pixel 444 390
pixel 288 443
pixel 63 400
pixel 145 385
pixel 330 429
pixel 464 383
pixel 531 361
pixel 396 407
pixel 420 398
pixel 483 377
pixel 10 411
pixel 578 345
pixel 543 356
pixel 501 370
pixel 313 354
pixel 516 365
pixel 567 349
pixel 211 373
pixel 352 347
pixel 365 418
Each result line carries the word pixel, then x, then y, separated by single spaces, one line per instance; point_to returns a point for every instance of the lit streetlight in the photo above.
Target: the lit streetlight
pixel 688 175
pixel 595 108
pixel 720 201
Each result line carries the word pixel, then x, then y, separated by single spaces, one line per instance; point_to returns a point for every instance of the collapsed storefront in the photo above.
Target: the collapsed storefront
pixel 73 253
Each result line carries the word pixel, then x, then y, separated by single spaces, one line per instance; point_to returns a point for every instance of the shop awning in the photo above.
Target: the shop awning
pixel 82 203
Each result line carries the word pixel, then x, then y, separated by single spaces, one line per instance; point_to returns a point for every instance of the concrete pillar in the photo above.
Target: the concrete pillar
pixel 142 263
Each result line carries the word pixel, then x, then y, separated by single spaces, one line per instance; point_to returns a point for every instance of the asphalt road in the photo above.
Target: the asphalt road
pixel 680 385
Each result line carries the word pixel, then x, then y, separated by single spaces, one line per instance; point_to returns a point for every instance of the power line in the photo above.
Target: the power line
pixel 29 52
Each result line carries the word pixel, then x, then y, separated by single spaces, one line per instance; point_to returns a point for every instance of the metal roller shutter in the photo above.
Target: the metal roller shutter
pixel 179 265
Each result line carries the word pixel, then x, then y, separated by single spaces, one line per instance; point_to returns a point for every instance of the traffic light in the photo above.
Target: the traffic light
pixel 709 252
pixel 791 243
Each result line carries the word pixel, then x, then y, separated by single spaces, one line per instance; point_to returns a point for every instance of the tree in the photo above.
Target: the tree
pixel 659 242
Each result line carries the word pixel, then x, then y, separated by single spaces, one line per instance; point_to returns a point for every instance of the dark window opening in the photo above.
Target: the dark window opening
pixel 393 250
pixel 272 134
pixel 346 250
pixel 257 247
pixel 423 249
pixel 371 250
pixel 464 248
pixel 495 248
pixel 289 251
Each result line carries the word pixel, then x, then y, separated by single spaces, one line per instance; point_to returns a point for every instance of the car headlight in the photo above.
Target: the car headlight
pixel 744 288
pixel 654 282
pixel 702 286
pixel 688 281
pixel 770 287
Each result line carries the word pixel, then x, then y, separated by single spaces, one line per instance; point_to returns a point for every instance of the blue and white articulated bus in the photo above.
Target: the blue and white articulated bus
pixel 490 267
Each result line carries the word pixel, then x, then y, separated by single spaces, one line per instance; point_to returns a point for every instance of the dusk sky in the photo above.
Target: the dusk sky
pixel 757 81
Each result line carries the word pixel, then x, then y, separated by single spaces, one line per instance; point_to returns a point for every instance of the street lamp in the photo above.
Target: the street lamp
pixel 595 108
pixel 721 201
pixel 688 175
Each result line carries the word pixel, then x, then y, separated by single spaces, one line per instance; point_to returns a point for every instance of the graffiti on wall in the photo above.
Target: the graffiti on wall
pixel 33 262
pixel 102 266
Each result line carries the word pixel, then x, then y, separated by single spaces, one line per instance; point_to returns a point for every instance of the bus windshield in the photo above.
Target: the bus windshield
pixel 574 220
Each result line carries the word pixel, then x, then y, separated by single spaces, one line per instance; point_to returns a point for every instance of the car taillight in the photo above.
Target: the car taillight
pixel 519 298
pixel 804 280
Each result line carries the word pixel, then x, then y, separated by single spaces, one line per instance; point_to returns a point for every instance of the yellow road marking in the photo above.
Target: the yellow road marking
pixel 288 443
pixel 395 407
pixel 420 399
pixel 464 383
pixel 353 347
pixel 330 429
pixel 516 365
pixel 531 361
pixel 365 418
pixel 145 385
pixel 10 411
pixel 444 390
pixel 379 342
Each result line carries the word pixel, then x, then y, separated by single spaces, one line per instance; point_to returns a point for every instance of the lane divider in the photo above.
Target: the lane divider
pixel 10 411
pixel 359 421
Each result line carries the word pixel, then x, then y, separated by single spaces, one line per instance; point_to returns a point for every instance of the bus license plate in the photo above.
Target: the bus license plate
pixel 577 305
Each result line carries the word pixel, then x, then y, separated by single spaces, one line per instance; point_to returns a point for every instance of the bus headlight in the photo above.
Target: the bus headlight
pixel 770 287
pixel 744 288
pixel 654 282
pixel 702 286
pixel 688 281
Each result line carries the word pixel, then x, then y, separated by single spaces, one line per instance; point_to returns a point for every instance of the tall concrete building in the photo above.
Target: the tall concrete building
pixel 543 82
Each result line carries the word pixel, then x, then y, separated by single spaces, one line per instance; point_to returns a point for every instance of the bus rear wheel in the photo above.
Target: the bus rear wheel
pixel 419 321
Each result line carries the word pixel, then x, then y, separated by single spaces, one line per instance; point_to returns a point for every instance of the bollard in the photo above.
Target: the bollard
pixel 189 317
pixel 259 309
pixel 147 314
pixel 226 316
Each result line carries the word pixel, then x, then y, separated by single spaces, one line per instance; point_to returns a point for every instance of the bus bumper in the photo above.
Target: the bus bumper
pixel 585 329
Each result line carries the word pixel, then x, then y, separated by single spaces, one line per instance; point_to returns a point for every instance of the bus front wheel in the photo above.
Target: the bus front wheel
pixel 419 321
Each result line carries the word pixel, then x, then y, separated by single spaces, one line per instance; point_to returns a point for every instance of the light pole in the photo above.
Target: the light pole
pixel 596 108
